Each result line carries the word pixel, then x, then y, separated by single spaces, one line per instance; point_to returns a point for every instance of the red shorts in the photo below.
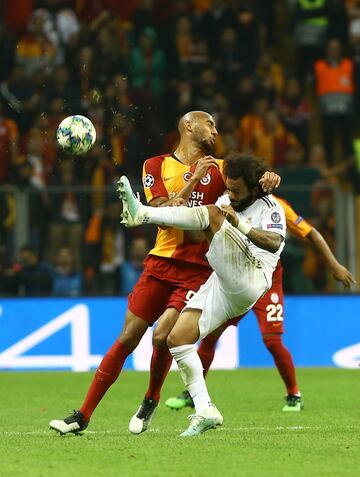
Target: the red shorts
pixel 165 283
pixel 269 309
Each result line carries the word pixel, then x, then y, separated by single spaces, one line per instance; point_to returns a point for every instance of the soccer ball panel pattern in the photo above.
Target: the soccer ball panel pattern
pixel 76 135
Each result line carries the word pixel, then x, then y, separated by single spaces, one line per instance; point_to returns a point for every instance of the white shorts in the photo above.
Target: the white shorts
pixel 236 284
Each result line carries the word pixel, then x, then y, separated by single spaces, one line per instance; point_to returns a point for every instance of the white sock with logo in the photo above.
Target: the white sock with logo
pixel 191 371
pixel 186 218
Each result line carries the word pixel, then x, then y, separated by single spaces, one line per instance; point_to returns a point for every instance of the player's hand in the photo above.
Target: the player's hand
pixel 270 181
pixel 230 215
pixel 202 166
pixel 176 202
pixel 342 274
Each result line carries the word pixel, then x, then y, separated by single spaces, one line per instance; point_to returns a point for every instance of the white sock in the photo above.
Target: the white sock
pixel 186 218
pixel 191 371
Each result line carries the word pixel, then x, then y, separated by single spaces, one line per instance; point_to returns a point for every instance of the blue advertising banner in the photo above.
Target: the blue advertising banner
pixel 65 333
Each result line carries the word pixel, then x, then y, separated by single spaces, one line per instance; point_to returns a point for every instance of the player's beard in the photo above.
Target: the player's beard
pixel 206 145
pixel 242 204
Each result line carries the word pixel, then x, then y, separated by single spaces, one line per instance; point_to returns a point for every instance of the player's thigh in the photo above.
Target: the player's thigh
pixel 149 298
pixel 186 329
pixel 133 330
pixel 165 324
pixel 269 311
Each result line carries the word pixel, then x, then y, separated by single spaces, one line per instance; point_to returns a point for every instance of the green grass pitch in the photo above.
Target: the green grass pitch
pixel 257 438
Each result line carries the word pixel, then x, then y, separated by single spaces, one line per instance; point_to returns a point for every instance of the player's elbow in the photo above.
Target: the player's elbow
pixel 275 244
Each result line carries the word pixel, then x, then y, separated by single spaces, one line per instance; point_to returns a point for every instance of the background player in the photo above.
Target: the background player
pixel 174 269
pixel 269 313
pixel 246 238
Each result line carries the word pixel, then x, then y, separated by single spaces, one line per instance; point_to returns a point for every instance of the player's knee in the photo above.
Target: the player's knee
pixel 159 339
pixel 172 340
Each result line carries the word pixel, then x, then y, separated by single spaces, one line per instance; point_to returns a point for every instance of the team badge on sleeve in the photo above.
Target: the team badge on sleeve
pixel 275 217
pixel 149 181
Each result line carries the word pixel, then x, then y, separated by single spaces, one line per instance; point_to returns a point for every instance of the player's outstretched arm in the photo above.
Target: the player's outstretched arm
pixel 340 273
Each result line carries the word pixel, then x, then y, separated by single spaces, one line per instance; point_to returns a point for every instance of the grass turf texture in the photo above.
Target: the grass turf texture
pixel 257 438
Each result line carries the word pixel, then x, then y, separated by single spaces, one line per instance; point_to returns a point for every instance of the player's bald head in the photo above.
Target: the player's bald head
pixel 198 128
pixel 192 117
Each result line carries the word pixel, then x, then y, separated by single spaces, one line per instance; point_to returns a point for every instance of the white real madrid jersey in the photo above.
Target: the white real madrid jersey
pixel 264 214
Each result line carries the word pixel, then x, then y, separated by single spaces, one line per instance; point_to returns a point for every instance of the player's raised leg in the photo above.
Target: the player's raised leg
pixel 135 213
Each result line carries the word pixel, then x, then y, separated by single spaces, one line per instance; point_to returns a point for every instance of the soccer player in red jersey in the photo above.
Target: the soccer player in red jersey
pixel 269 311
pixel 174 270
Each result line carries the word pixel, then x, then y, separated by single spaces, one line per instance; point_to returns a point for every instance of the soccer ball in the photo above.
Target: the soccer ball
pixel 76 134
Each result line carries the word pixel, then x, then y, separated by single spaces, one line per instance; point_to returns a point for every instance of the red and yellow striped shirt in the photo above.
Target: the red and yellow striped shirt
pixel 166 176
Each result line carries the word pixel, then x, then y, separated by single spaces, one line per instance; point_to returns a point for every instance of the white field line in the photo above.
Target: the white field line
pixel 156 430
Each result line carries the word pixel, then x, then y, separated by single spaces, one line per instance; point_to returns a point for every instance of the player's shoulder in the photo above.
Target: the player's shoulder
pixel 269 202
pixel 157 159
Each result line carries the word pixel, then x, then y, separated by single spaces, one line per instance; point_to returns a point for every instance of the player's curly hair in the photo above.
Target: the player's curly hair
pixel 246 166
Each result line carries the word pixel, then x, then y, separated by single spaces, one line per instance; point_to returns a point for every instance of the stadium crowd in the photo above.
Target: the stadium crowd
pixel 279 77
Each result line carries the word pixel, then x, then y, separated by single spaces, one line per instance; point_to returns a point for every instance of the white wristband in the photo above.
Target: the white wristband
pixel 244 227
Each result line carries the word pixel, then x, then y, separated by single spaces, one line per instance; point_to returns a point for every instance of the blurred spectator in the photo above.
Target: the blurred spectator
pixel 63 87
pixel 188 52
pixel 104 249
pixel 131 269
pixel 294 111
pixel 330 174
pixel 244 96
pixel 298 181
pixel 67 280
pixel 125 146
pixel 18 92
pixel 8 144
pixel 67 26
pixel 335 90
pixel 147 67
pixel 206 89
pixel 37 49
pixel 270 76
pixel 7 222
pixel 103 176
pixel 34 277
pixel 248 33
pixel 252 123
pixel 227 61
pixel 273 141
pixel 310 33
pixel 34 156
pixel 67 213
pixel 35 201
pixel 226 140
pixel 214 21
pixel 111 51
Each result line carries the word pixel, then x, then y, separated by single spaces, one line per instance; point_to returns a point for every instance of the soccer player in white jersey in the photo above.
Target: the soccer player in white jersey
pixel 246 232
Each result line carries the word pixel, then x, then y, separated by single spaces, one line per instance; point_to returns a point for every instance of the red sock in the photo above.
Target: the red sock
pixel 161 360
pixel 283 361
pixel 106 374
pixel 206 351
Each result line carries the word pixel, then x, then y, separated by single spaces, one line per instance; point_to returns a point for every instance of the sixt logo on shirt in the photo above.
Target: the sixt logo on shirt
pixel 275 226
